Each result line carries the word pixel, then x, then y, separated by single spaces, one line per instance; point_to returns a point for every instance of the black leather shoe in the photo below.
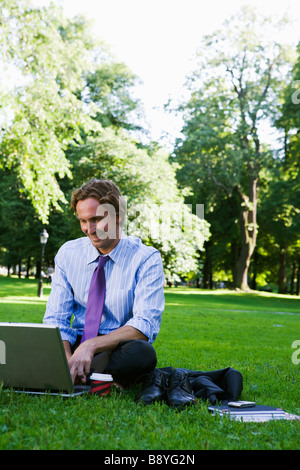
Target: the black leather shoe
pixel 153 388
pixel 180 393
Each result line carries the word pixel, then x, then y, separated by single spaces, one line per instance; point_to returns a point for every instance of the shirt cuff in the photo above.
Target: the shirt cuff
pixel 67 334
pixel 143 326
pixel 70 336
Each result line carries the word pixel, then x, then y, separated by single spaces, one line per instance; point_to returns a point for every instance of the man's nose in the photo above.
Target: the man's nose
pixel 102 226
pixel 90 228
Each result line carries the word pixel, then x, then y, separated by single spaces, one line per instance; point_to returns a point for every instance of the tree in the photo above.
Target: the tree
pixel 156 211
pixel 41 113
pixel 20 227
pixel 279 220
pixel 289 119
pixel 234 92
pixel 285 216
pixel 69 116
pixel 109 87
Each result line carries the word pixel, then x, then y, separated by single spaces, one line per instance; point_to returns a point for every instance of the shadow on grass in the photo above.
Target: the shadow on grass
pixel 228 299
pixel 24 287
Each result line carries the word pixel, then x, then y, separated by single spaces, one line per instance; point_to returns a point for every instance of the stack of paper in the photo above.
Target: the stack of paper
pixel 257 413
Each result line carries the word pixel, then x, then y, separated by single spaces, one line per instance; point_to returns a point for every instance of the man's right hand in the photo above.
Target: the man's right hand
pixel 80 362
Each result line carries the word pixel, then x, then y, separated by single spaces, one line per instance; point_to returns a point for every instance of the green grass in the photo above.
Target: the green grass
pixel 201 330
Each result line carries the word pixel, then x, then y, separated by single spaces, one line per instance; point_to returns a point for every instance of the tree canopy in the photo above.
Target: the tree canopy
pixel 67 117
pixel 234 92
pixel 69 113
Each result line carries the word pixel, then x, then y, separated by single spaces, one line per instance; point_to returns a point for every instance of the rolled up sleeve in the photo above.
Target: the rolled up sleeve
pixel 149 301
pixel 60 305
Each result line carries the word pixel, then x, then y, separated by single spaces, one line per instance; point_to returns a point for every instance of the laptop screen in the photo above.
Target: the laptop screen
pixel 32 356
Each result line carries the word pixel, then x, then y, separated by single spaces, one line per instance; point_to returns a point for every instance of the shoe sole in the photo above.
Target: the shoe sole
pixel 181 406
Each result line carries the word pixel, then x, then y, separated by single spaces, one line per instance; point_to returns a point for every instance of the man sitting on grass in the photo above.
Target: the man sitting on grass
pixel 131 274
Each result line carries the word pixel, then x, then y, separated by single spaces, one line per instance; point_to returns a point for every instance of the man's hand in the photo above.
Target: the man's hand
pixel 80 362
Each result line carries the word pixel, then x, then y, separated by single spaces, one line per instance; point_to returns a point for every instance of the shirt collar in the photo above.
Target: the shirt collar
pixel 92 254
pixel 119 251
pixel 117 254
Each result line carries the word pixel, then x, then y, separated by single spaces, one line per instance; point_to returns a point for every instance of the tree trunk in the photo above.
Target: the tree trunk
pixel 207 268
pixel 292 288
pixel 254 264
pixel 298 280
pixel 282 287
pixel 248 229
pixel 28 267
pixel 20 269
pixel 234 261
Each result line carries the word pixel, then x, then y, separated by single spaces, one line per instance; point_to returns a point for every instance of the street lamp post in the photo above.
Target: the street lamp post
pixel 43 239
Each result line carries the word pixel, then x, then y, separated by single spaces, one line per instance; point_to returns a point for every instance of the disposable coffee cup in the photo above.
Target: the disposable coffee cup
pixel 101 384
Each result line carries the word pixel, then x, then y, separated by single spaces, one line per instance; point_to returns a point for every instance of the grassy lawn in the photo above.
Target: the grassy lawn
pixel 201 330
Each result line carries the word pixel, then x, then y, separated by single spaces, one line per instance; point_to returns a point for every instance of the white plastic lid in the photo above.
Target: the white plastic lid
pixel 102 377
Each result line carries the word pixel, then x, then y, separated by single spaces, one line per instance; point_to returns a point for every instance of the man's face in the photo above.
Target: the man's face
pixel 99 223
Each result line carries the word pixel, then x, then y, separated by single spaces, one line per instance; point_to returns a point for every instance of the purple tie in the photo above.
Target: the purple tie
pixel 95 301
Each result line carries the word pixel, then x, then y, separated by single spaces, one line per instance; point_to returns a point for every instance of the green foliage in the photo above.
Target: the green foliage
pixel 19 223
pixel 234 92
pixel 109 87
pixel 66 119
pixel 156 211
pixel 68 114
pixel 234 88
pixel 279 201
pixel 41 114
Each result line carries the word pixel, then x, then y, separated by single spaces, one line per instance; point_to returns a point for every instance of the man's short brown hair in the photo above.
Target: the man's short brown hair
pixel 105 191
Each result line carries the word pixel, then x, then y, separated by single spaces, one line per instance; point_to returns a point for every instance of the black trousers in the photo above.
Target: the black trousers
pixel 127 363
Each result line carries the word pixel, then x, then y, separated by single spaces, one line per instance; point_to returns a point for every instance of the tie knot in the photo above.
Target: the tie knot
pixel 102 261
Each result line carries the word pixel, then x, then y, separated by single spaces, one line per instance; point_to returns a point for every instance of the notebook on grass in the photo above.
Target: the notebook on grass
pixel 33 360
pixel 257 413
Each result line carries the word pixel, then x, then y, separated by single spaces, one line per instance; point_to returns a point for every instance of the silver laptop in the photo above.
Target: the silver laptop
pixel 33 360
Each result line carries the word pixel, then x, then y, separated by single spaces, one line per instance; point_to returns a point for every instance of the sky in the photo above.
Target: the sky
pixel 157 40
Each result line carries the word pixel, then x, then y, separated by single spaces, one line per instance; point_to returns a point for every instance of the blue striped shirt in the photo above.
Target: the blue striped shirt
pixel 134 288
